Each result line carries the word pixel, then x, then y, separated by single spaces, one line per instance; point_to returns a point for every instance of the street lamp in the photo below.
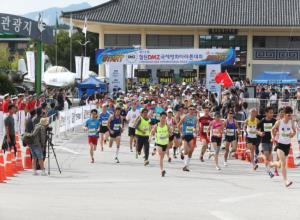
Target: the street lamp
pixel 83 46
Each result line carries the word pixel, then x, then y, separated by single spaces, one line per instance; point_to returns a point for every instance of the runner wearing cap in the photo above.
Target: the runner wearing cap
pixel 131 117
pixel 286 130
pixel 251 135
pixel 204 122
pixel 103 119
pixel 232 131
pixel 162 132
pixel 115 127
pixel 92 127
pixel 189 125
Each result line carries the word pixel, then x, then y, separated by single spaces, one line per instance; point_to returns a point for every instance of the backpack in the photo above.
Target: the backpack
pixel 27 139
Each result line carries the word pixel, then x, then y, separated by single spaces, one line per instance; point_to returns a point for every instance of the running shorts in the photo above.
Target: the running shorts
pixel 131 131
pixel 188 138
pixel 284 147
pixel 217 140
pixel 115 134
pixel 93 140
pixel 251 141
pixel 103 129
pixel 230 138
pixel 163 147
pixel 266 147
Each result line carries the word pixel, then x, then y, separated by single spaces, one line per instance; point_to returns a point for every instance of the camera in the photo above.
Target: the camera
pixel 49 129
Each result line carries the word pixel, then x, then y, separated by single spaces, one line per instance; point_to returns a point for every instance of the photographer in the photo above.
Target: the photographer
pixel 38 148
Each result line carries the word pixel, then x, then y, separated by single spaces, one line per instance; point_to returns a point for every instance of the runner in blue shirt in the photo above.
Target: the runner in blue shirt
pixel 92 127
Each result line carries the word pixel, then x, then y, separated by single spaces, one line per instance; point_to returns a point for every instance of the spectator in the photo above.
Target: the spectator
pixel 38 117
pixel 53 113
pixel 60 100
pixel 286 95
pixel 38 148
pixel 9 141
pixel 29 126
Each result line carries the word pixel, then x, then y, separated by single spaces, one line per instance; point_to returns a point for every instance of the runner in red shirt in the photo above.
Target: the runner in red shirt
pixel 204 122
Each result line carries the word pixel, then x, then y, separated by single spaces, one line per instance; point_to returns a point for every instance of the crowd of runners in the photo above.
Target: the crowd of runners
pixel 174 118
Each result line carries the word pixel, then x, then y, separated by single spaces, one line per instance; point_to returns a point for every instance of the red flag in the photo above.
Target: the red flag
pixel 224 79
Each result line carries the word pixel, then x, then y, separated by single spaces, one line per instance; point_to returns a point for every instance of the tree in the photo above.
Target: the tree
pixel 6 86
pixel 63 51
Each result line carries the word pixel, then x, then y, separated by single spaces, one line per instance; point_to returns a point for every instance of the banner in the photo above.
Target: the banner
pixel 30 65
pixel 78 61
pixel 166 56
pixel 86 68
pixel 116 77
pixel 211 85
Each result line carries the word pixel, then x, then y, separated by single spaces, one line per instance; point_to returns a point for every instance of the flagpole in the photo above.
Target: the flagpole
pixel 56 40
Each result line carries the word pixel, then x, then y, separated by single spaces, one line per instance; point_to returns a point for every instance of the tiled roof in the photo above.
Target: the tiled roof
pixel 195 12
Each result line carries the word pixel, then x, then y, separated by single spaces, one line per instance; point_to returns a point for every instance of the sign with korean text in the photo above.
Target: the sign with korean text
pixel 24 27
pixel 166 56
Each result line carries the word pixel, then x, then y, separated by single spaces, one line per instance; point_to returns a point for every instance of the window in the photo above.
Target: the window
pixel 122 40
pixel 170 41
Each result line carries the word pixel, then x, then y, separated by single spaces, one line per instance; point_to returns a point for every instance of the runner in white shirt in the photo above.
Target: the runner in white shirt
pixel 131 117
pixel 286 131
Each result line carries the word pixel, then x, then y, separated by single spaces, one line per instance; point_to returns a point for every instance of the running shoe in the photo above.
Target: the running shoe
pixel 225 164
pixel 182 156
pixel 289 184
pixel 146 163
pixel 117 160
pixel 255 167
pixel 163 173
pixel 218 168
pixel 44 173
pixel 169 160
pixel 174 156
pixel 271 174
pixel 201 159
pixel 186 169
pixel 93 160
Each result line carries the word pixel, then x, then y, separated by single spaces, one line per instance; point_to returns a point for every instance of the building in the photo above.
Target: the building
pixel 265 33
pixel 14 43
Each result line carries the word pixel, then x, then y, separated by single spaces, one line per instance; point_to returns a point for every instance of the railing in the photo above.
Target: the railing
pixel 276 54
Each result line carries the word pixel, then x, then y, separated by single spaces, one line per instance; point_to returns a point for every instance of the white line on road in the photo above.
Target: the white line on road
pixel 224 215
pixel 240 198
pixel 67 150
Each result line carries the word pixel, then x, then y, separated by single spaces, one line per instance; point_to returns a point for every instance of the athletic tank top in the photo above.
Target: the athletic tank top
pixel 143 126
pixel 251 128
pixel 115 124
pixel 216 128
pixel 188 126
pixel 230 128
pixel 284 131
pixel 162 135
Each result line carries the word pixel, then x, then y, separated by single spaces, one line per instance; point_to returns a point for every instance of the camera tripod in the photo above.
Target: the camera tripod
pixel 51 145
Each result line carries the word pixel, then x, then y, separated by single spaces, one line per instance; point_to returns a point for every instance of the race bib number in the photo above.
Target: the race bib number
pixel 252 129
pixel 92 131
pixel 145 128
pixel 117 127
pixel 268 127
pixel 104 123
pixel 285 134
pixel 163 137
pixel 230 132
pixel 176 130
pixel 190 129
pixel 216 132
pixel 205 129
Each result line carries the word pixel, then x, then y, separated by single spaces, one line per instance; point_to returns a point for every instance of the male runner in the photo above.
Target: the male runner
pixel 131 117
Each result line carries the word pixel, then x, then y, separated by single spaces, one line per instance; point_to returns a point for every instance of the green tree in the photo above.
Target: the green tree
pixel 6 86
pixel 63 49
pixel 4 59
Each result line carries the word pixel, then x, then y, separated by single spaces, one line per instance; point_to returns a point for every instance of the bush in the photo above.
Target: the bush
pixel 6 86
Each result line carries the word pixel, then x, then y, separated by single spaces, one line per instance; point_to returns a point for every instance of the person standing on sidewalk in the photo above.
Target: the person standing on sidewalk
pixel 9 141
pixel 286 131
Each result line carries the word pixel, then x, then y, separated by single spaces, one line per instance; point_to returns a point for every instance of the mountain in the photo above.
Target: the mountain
pixel 49 15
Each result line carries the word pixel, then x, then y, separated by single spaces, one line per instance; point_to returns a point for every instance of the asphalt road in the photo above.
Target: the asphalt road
pixel 129 191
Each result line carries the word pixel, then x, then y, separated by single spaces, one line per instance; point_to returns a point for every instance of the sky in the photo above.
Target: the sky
pixel 20 7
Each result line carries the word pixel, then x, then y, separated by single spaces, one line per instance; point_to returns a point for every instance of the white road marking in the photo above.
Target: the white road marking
pixel 240 198
pixel 67 150
pixel 224 215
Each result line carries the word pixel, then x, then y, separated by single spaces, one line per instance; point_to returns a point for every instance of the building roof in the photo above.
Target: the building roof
pixel 282 13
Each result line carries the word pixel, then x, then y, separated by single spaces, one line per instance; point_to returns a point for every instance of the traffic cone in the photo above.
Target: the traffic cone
pixel 13 161
pixel 27 159
pixel 8 165
pixel 19 162
pixel 290 159
pixel 2 168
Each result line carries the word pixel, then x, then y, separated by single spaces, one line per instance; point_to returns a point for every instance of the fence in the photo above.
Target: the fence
pixel 67 120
